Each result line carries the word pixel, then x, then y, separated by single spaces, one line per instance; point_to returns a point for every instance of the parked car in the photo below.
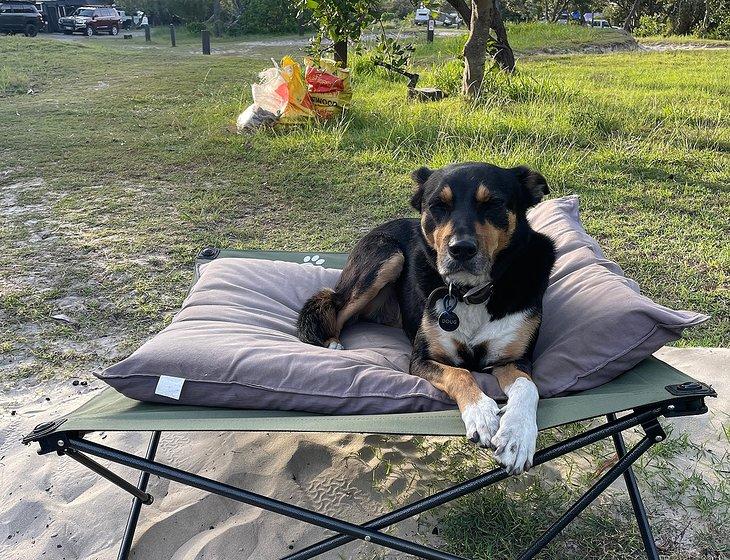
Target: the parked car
pixel 448 19
pixel 602 23
pixel 91 20
pixel 422 16
pixel 125 21
pixel 20 17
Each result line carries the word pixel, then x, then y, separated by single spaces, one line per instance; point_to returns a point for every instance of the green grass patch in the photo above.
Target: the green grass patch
pixel 12 82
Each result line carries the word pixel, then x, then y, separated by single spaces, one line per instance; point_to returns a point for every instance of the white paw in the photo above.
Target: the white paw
pixel 514 443
pixel 335 345
pixel 481 420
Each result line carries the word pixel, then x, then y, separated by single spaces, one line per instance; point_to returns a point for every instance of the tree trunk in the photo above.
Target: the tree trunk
pixel 475 49
pixel 631 17
pixel 463 9
pixel 341 52
pixel 216 18
pixel 504 56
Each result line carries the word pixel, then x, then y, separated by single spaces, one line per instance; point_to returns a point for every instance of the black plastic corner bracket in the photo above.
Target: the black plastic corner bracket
pixel 41 431
pixel 691 389
pixel 208 253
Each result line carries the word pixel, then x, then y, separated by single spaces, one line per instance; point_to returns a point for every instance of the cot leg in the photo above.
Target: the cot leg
pixel 637 503
pixel 144 478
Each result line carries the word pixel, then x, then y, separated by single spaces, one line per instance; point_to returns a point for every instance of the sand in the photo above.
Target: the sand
pixel 52 507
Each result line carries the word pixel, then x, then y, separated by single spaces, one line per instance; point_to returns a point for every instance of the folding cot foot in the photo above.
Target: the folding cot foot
pixel 144 477
pixel 637 503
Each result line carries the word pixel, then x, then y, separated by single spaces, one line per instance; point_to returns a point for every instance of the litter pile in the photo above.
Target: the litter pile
pixel 285 96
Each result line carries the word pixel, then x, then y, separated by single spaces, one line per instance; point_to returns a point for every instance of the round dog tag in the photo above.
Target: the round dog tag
pixel 449 321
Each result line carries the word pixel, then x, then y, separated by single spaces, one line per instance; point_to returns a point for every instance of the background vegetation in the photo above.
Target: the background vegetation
pixel 702 18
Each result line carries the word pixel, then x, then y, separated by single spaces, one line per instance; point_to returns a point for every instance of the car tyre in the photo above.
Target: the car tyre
pixel 68 32
pixel 89 31
pixel 114 30
pixel 31 30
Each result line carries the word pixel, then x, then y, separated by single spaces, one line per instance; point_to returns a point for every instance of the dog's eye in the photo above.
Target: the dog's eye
pixel 490 204
pixel 438 208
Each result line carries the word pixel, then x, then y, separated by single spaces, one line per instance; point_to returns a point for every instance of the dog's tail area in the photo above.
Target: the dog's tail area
pixel 317 322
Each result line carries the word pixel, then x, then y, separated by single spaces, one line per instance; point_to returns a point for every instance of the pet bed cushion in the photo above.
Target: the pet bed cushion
pixel 233 344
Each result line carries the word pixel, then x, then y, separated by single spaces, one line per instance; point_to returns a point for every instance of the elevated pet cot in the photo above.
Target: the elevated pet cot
pixel 647 392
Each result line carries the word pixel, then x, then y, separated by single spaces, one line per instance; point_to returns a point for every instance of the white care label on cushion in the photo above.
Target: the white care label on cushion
pixel 169 386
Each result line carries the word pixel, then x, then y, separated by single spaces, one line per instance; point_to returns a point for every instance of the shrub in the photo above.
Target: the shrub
pixel 267 16
pixel 195 27
pixel 650 25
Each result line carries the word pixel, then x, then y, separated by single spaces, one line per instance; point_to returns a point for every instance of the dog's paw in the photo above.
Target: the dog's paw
pixel 481 420
pixel 335 345
pixel 514 442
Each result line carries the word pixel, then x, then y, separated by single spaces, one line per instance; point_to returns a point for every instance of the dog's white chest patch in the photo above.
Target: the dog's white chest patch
pixel 476 328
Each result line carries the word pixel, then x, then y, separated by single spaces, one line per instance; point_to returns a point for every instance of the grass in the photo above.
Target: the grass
pixel 683 40
pixel 534 38
pixel 12 83
pixel 121 165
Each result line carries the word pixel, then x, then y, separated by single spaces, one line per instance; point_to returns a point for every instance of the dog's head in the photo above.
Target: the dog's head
pixel 470 212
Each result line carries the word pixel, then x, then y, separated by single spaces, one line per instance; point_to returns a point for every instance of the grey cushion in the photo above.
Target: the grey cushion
pixel 234 344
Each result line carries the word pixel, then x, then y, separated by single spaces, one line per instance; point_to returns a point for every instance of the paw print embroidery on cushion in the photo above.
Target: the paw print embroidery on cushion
pixel 314 259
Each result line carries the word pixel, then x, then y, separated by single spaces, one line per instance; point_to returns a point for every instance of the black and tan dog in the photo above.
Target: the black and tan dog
pixel 466 283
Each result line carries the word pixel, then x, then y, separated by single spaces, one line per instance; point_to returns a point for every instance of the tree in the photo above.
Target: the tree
pixel 341 21
pixel 475 49
pixel 483 15
pixel 632 17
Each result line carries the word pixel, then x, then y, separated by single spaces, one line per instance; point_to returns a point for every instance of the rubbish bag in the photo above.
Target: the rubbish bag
pixel 329 87
pixel 299 107
pixel 280 98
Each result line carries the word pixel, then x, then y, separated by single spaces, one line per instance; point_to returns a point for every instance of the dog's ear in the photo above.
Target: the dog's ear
pixel 419 176
pixel 533 186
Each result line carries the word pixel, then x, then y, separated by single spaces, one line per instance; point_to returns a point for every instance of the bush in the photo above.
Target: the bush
pixel 195 27
pixel 267 16
pixel 650 25
pixel 718 28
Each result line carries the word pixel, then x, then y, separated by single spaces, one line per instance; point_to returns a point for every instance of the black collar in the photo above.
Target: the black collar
pixel 473 296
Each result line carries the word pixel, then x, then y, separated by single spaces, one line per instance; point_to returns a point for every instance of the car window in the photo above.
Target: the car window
pixel 85 12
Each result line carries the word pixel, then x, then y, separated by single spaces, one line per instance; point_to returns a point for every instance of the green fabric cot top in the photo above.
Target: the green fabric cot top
pixel 110 411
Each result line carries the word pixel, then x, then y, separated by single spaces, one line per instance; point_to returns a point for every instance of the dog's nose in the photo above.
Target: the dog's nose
pixel 462 248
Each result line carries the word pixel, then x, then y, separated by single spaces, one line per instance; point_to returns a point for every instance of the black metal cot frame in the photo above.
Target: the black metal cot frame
pixel 687 402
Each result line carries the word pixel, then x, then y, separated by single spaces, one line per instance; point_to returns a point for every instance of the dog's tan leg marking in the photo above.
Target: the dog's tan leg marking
pixel 388 272
pixel 514 442
pixel 478 411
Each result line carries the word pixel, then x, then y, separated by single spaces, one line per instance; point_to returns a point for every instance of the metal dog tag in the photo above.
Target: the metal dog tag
pixel 448 320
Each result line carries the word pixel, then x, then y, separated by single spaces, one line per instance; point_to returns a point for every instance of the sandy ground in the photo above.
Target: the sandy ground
pixel 54 508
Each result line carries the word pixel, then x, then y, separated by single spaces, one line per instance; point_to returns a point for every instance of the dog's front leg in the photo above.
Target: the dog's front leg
pixel 515 440
pixel 479 412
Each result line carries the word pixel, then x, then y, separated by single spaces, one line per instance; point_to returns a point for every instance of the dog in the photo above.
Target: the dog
pixel 465 282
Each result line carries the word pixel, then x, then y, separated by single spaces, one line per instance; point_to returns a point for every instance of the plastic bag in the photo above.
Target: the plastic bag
pixel 280 98
pixel 329 87
pixel 270 97
pixel 299 107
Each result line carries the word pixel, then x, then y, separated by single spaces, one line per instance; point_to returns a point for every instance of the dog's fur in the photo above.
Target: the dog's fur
pixel 473 230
